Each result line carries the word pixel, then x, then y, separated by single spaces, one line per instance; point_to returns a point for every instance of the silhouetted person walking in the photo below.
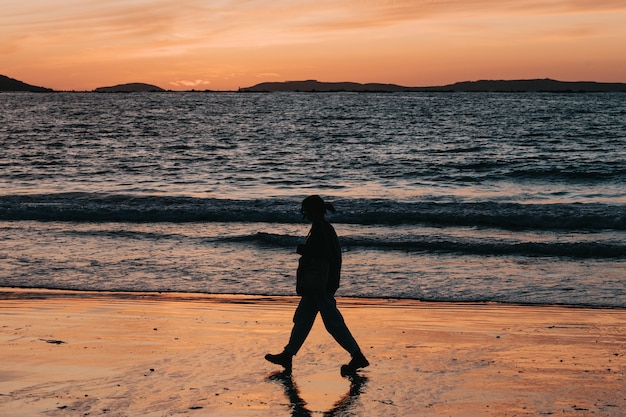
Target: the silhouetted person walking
pixel 321 252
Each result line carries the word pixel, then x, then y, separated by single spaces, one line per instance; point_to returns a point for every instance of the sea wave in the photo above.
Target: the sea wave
pixel 462 246
pixel 425 242
pixel 90 207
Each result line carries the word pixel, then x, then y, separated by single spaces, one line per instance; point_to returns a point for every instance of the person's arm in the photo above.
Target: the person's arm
pixel 316 244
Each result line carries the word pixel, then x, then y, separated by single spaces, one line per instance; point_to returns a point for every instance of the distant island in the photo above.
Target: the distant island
pixel 10 84
pixel 314 86
pixel 538 85
pixel 130 88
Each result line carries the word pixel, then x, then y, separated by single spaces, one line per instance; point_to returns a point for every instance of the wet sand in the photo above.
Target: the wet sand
pixel 116 354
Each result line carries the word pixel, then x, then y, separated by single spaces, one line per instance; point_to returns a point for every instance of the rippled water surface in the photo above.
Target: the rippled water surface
pixel 458 197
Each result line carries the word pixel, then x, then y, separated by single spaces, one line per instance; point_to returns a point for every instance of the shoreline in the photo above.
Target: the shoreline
pixel 8 84
pixel 37 292
pixel 71 353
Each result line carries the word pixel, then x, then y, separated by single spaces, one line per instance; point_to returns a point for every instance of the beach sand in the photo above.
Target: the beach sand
pixel 116 354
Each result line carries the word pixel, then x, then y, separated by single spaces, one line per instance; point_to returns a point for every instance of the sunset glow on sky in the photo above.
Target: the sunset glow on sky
pixel 226 44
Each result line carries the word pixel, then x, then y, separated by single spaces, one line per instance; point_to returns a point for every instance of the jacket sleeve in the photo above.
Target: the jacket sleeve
pixel 323 242
pixel 316 243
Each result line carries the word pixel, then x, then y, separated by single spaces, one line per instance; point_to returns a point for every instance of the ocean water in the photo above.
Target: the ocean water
pixel 463 197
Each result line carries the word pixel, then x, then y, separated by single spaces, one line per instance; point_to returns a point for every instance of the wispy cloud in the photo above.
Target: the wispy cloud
pixel 187 83
pixel 192 41
pixel 166 27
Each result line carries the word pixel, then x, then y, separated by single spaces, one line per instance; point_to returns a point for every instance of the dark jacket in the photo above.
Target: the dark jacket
pixel 323 242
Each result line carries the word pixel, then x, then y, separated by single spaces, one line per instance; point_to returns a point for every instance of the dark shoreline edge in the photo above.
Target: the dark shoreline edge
pixel 37 293
pixel 496 86
pixel 545 85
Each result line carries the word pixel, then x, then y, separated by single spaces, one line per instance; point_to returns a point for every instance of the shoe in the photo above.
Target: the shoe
pixel 358 361
pixel 283 359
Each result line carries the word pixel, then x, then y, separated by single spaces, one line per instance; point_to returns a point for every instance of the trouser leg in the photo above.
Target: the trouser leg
pixel 335 324
pixel 303 320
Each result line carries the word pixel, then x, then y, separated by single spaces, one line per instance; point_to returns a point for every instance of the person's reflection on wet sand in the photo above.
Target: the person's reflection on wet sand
pixel 298 405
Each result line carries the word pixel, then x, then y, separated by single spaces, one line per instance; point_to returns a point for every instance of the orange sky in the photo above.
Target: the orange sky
pixel 226 44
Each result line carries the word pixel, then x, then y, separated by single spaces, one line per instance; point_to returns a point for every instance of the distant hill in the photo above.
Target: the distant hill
pixel 537 85
pixel 10 84
pixel 317 86
pixel 130 88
